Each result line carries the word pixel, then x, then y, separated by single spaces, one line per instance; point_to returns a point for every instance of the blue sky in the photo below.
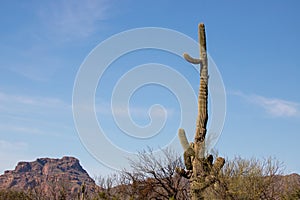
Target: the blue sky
pixel 255 45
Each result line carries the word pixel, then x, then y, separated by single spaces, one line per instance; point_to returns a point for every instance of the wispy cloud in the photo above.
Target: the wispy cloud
pixel 36 63
pixel 277 107
pixel 11 153
pixel 52 29
pixel 6 98
pixel 134 111
pixel 273 106
pixel 36 115
pixel 12 146
pixel 20 129
pixel 73 19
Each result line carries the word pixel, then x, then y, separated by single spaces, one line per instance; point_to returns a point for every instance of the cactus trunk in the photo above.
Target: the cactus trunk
pixel 200 169
pixel 199 172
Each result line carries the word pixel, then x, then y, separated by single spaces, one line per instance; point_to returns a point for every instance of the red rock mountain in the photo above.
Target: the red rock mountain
pixel 49 176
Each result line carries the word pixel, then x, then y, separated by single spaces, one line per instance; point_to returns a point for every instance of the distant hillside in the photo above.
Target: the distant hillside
pixel 50 177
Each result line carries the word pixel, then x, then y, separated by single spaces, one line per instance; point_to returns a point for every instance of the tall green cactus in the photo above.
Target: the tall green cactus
pixel 200 169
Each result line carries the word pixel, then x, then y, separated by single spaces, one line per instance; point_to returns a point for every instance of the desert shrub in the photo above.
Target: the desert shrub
pixel 16 195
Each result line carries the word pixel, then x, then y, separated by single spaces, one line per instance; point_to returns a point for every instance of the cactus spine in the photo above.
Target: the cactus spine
pixel 200 170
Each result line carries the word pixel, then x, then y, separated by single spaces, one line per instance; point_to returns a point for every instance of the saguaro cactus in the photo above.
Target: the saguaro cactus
pixel 200 169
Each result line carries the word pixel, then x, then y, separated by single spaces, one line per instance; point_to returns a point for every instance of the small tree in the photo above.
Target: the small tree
pixel 108 187
pixel 248 179
pixel 154 177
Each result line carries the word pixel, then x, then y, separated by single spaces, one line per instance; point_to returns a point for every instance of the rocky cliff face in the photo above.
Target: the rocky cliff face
pixel 48 176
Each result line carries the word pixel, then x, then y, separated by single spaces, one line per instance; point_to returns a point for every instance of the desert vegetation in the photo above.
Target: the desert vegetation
pixel 154 177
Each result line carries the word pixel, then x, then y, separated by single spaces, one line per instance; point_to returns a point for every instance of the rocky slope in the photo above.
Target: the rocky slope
pixel 51 177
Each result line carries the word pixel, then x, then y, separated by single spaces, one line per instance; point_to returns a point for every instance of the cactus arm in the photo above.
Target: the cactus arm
pixel 188 149
pixel 188 58
pixel 217 166
pixel 183 140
